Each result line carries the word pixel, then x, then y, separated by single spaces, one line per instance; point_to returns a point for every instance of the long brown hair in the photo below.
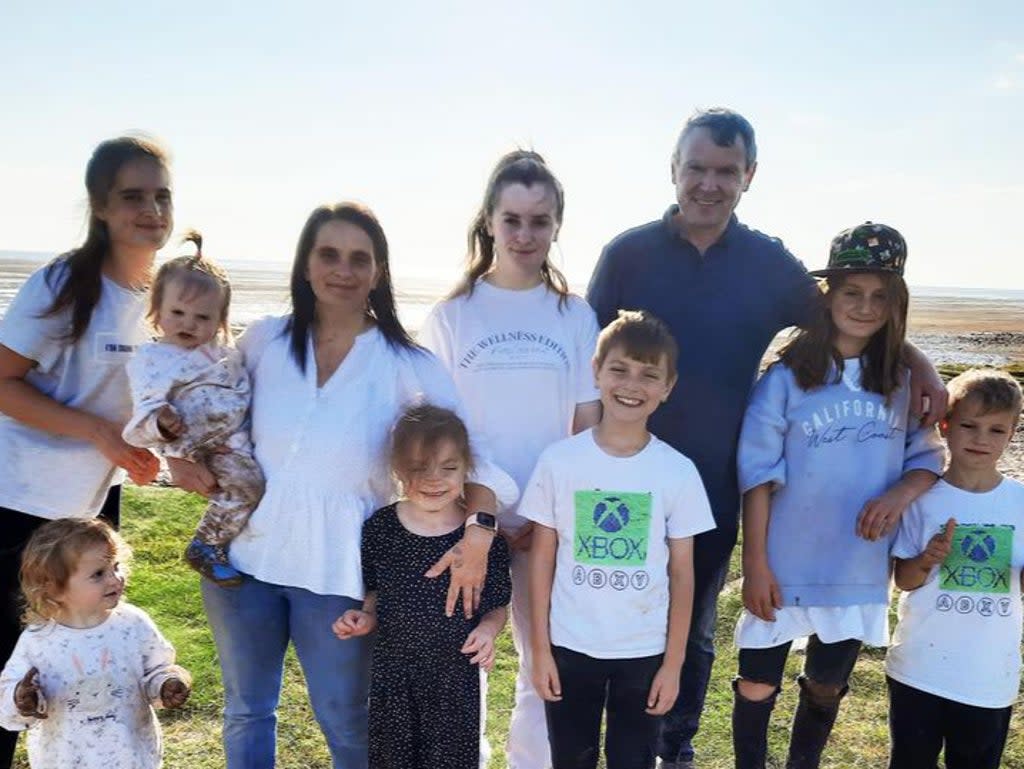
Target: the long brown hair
pixel 518 167
pixel 381 308
pixel 812 356
pixel 77 275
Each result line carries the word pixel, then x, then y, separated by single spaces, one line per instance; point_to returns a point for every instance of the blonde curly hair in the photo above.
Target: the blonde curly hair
pixel 51 557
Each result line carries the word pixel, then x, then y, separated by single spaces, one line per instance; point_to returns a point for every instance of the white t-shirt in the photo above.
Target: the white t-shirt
pixel 324 451
pixel 521 364
pixel 959 634
pixel 88 375
pixel 613 516
pixel 98 685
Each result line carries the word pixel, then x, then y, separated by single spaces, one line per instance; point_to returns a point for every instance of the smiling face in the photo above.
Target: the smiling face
pixel 523 224
pixel 631 389
pixel 860 306
pixel 138 211
pixel 977 440
pixel 94 588
pixel 190 316
pixel 433 481
pixel 342 269
pixel 709 181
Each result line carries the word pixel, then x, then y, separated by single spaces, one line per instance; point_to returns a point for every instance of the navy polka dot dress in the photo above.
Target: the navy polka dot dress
pixel 424 694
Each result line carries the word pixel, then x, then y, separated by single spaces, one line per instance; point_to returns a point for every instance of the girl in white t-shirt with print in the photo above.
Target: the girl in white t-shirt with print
pixel 518 345
pixel 64 343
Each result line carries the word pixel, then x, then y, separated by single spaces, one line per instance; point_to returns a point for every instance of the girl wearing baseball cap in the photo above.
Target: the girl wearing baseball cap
pixel 829 459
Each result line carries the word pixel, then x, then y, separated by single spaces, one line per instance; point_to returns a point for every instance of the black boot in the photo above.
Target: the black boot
pixel 812 724
pixel 750 728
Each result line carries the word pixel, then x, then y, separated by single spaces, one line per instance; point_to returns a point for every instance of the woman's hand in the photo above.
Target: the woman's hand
pixel 28 697
pixel 141 464
pixel 480 644
pixel 192 476
pixel 354 623
pixel 761 593
pixel 468 563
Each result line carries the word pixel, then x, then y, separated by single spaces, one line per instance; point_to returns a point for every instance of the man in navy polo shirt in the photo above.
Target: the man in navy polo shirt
pixel 725 291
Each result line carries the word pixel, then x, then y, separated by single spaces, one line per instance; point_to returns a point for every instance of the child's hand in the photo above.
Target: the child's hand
pixel 761 593
pixel 545 677
pixel 664 690
pixel 480 644
pixel 354 623
pixel 28 698
pixel 880 516
pixel 170 422
pixel 938 547
pixel 174 692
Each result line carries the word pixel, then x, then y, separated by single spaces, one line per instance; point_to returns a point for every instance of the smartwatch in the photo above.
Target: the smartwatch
pixel 486 521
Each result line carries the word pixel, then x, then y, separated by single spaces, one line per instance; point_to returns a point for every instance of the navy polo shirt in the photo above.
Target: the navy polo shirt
pixel 724 308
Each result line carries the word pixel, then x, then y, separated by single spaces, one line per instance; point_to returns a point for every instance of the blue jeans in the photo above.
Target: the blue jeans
pixel 711 552
pixel 252 625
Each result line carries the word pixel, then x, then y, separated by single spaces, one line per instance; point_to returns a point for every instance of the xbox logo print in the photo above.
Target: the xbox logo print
pixel 978 545
pixel 611 514
pixel 979 561
pixel 612 527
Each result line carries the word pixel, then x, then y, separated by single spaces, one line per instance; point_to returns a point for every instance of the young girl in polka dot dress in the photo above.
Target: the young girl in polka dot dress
pixel 425 692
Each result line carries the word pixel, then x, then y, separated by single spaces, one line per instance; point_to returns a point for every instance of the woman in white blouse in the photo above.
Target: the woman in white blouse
pixel 329 380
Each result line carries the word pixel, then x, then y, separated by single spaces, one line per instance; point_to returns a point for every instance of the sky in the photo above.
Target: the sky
pixel 907 113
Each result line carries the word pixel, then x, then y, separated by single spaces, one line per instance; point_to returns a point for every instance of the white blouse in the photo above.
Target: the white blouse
pixel 324 452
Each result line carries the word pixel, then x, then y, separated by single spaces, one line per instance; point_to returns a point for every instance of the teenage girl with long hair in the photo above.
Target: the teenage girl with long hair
pixel 64 343
pixel 829 458
pixel 518 345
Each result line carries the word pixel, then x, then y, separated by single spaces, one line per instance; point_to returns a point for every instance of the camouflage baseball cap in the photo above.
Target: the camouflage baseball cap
pixel 868 247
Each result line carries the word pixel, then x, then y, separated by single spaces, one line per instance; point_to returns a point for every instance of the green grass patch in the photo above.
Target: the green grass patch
pixel 158 523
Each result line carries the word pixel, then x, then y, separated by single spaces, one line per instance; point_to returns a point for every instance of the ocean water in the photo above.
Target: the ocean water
pixel 262 289
pixel 256 290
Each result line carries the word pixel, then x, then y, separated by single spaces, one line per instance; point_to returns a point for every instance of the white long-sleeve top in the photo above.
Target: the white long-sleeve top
pixel 98 685
pixel 324 451
pixel 208 386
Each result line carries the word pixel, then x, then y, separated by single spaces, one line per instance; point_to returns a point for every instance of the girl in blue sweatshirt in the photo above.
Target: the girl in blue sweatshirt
pixel 829 458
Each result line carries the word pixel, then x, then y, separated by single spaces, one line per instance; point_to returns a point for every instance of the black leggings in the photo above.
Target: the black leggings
pixel 590 688
pixel 15 530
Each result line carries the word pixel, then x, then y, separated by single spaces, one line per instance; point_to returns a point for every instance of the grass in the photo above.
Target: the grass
pixel 157 523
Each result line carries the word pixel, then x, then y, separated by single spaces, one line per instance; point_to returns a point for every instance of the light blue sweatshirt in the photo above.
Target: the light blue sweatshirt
pixel 828 451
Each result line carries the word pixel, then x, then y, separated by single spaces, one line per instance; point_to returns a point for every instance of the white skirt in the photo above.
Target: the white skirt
pixel 866 622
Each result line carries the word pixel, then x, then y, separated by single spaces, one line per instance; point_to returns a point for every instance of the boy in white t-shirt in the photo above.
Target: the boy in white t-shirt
pixel 954 665
pixel 611 569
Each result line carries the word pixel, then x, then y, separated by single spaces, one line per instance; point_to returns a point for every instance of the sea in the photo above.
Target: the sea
pixel 952 325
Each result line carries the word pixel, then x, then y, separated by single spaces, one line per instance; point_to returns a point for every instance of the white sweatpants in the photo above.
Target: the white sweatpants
pixel 528 732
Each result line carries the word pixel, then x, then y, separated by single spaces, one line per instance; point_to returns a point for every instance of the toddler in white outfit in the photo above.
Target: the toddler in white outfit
pixel 191 395
pixel 88 667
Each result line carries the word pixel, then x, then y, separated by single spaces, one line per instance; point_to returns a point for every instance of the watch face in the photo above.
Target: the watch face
pixel 486 519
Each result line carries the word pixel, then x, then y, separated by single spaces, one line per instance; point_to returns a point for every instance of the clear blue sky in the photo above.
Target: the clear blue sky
pixel 909 113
